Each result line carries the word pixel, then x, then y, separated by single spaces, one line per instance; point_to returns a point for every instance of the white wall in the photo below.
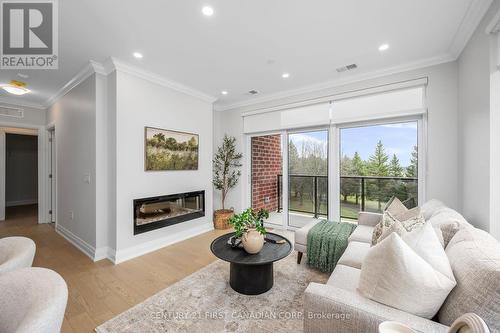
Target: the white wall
pixel 442 156
pixel 31 117
pixel 494 126
pixel 74 117
pixel 474 129
pixel 141 103
pixel 21 169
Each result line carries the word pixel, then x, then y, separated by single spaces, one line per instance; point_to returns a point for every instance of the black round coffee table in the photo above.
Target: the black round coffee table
pixel 251 274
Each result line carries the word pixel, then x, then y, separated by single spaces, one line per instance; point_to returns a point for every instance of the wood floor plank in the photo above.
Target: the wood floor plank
pixel 98 291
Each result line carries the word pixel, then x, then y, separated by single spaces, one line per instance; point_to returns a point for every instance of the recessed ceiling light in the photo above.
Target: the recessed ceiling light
pixel 223 92
pixel 15 88
pixel 285 75
pixel 383 47
pixel 138 55
pixel 207 11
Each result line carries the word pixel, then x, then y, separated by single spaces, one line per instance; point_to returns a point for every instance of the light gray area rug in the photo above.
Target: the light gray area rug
pixel 204 302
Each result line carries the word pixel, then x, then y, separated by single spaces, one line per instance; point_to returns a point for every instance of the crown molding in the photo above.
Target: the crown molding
pixel 11 102
pixel 475 13
pixel 113 64
pixel 337 83
pixel 90 68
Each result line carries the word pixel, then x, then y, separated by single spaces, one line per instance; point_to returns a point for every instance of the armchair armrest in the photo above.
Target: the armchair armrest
pixel 331 309
pixel 369 219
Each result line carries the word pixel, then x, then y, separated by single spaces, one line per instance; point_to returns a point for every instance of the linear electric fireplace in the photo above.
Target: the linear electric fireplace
pixel 163 211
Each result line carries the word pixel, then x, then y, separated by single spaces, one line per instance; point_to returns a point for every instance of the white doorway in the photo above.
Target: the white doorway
pixel 43 165
pixel 19 171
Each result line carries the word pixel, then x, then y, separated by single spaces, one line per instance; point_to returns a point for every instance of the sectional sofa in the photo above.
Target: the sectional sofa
pixel 474 256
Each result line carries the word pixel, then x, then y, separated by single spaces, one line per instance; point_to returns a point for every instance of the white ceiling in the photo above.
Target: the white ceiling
pixel 248 44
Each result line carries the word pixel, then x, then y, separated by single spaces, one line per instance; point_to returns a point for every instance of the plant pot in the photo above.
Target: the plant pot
pixel 253 241
pixel 221 218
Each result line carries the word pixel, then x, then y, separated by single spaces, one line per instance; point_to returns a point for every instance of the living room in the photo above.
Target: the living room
pixel 248 167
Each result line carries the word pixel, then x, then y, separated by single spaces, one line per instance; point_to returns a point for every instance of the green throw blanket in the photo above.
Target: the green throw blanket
pixel 326 242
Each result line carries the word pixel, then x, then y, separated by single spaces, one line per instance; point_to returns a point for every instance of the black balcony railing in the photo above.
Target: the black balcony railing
pixel 309 194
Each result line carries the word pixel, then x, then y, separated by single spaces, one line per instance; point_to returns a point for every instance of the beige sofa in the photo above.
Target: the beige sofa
pixel 474 255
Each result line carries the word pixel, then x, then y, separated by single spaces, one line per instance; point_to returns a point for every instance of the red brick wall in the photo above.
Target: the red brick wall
pixel 266 166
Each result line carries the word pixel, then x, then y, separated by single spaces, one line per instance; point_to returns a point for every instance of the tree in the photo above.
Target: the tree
pixel 395 168
pixel 377 163
pixel 377 166
pixel 358 165
pixel 412 169
pixel 293 158
pixel 226 167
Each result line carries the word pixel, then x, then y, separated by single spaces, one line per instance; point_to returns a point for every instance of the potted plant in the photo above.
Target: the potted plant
pixel 249 226
pixel 226 164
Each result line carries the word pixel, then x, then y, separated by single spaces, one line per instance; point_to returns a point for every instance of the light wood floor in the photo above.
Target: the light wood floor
pixel 99 291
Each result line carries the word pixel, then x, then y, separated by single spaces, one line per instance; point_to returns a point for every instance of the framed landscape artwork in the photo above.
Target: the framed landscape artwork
pixel 170 150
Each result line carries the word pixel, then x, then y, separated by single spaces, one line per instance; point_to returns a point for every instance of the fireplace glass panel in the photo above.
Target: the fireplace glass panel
pixel 157 212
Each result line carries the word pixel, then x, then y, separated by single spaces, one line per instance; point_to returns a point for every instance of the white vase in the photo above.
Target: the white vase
pixel 253 241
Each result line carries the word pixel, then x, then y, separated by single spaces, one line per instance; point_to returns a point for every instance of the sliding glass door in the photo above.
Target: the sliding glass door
pixel 307 177
pixel 294 178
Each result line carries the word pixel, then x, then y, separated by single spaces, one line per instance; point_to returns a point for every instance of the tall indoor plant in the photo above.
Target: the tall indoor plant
pixel 226 166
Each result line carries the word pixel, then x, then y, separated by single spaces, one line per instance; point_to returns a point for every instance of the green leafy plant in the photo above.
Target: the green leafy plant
pixel 226 167
pixel 249 219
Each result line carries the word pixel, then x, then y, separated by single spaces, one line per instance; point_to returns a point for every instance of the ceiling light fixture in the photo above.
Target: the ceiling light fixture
pixel 223 92
pixel 383 47
pixel 15 88
pixel 207 11
pixel 138 55
pixel 285 75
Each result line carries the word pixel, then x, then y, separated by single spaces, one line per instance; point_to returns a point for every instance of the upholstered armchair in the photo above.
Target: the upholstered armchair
pixel 15 253
pixel 33 300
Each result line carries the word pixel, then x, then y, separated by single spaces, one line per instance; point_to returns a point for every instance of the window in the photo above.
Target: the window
pixel 376 163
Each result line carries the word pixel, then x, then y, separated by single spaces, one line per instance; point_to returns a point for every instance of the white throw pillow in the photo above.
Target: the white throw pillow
pixel 412 275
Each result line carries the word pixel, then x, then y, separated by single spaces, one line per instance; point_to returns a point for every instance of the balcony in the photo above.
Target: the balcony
pixel 309 195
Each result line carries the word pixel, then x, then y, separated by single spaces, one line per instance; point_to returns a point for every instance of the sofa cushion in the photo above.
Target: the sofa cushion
pixel 411 274
pixel 362 233
pixel 354 254
pixel 430 207
pixel 474 256
pixel 449 221
pixel 344 277
pixel 301 234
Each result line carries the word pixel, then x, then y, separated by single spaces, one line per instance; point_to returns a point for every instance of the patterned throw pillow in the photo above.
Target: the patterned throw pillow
pixel 399 212
pixel 408 221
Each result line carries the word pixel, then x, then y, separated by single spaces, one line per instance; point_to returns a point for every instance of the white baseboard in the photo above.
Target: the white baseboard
pixel 79 243
pixel 138 250
pixel 21 202
pixel 104 252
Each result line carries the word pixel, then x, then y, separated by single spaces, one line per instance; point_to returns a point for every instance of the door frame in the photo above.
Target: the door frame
pixel 247 201
pixel 52 169
pixel 43 160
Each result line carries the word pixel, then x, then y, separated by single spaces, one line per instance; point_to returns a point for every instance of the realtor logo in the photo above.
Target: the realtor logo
pixel 29 34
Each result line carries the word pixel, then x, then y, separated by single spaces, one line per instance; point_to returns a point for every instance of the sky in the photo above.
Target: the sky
pixel 398 138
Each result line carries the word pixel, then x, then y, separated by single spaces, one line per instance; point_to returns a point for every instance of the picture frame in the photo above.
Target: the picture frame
pixel 170 150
